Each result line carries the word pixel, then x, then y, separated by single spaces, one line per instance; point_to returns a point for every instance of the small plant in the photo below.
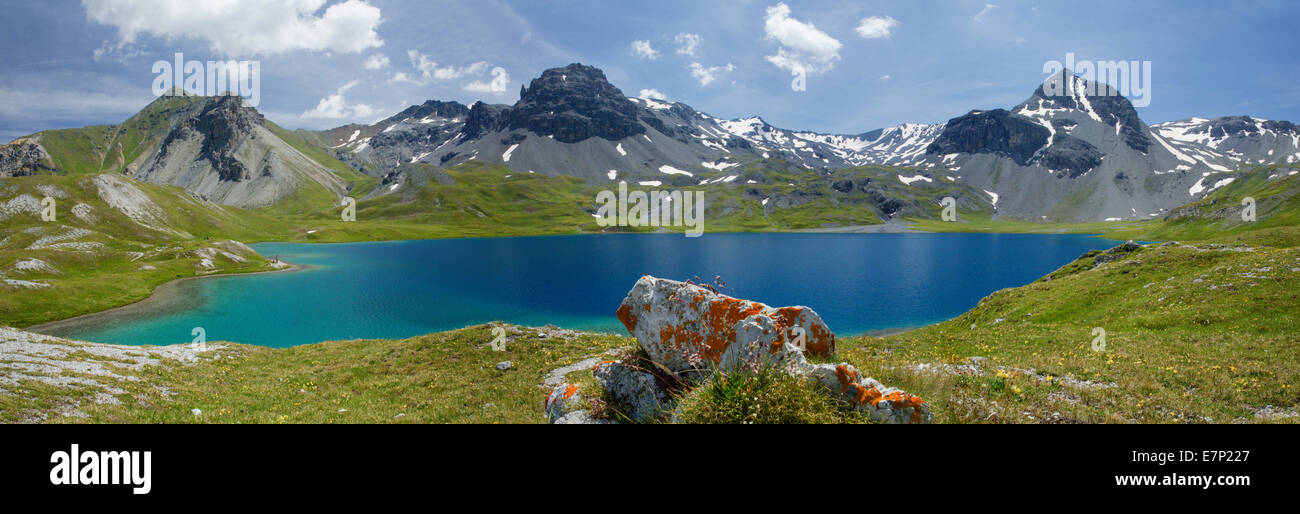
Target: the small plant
pixel 769 396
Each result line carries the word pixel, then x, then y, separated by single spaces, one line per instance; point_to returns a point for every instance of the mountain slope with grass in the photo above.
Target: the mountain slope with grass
pixel 112 240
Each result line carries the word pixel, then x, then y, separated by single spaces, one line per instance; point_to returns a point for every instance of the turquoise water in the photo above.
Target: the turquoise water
pixel 857 282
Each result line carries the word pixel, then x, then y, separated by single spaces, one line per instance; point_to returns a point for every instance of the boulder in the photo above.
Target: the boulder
pixel 563 400
pixel 634 390
pixel 759 344
pixel 757 347
pixel 683 326
pixel 868 396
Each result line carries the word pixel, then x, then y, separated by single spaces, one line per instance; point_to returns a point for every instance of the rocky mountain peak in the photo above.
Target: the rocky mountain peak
pixel 1099 101
pixel 221 122
pixel 574 103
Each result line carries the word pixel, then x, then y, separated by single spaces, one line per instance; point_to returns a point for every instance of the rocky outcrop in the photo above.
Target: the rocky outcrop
pixel 683 326
pixel 996 131
pixel 575 103
pixel 23 157
pixel 1070 157
pixel 636 392
pixel 687 329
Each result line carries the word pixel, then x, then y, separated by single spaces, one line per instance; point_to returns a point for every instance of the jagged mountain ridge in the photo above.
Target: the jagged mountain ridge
pixel 1084 155
pixel 571 121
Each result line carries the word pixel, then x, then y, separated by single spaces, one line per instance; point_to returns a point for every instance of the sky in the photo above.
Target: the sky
pixel 865 64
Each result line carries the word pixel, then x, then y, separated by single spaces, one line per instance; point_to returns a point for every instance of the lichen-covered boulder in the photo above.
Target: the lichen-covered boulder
pixel 634 390
pixel 759 343
pixel 684 326
pixel 563 400
pixel 868 396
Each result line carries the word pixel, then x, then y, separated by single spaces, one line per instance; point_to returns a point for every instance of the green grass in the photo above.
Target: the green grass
pixel 114 274
pixel 449 377
pixel 769 396
pixel 1191 337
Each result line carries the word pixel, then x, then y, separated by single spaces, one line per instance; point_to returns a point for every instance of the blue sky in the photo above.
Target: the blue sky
pixel 872 63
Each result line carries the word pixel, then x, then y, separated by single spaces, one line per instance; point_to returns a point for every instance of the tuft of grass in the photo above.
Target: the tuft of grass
pixel 769 396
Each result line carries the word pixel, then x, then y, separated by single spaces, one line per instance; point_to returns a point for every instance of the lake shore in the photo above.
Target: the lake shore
pixel 167 297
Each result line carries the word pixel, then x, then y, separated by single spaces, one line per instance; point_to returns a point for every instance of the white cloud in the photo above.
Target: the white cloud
pixel 686 43
pixel 375 62
pixel 803 46
pixel 336 106
pixel 652 94
pixel 244 27
pixel 641 48
pixel 500 80
pixel 423 63
pixel 988 8
pixel 429 71
pixel 452 72
pixel 875 27
pixel 886 78
pixel 709 74
pixel 402 77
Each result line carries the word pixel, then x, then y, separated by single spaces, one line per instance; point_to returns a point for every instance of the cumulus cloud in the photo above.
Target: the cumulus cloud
pixel 988 8
pixel 708 74
pixel 429 70
pixel 500 81
pixel 885 78
pixel 336 106
pixel 401 76
pixel 452 72
pixel 243 27
pixel 641 48
pixel 375 62
pixel 652 94
pixel 686 43
pixel 876 27
pixel 803 46
pixel 422 62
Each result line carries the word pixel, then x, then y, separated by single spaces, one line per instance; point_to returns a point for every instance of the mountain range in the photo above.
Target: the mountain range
pixel 1081 155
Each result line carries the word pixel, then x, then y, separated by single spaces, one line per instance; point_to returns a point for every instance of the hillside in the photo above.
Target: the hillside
pixel 112 241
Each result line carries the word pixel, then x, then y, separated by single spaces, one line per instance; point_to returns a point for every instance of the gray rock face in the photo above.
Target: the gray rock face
pixel 685 326
pixel 222 151
pixel 22 158
pixel 996 131
pixel 575 103
pixel 633 389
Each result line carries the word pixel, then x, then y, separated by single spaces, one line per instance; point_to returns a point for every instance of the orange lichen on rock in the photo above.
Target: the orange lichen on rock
pixel 625 315
pixel 819 339
pixel 847 375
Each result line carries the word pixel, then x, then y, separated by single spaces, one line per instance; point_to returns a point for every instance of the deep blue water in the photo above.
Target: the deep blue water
pixel 857 282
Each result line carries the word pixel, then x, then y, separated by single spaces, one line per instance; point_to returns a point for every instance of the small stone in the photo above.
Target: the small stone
pixel 503 365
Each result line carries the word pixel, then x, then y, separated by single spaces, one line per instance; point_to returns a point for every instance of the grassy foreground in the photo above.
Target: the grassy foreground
pixel 448 377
